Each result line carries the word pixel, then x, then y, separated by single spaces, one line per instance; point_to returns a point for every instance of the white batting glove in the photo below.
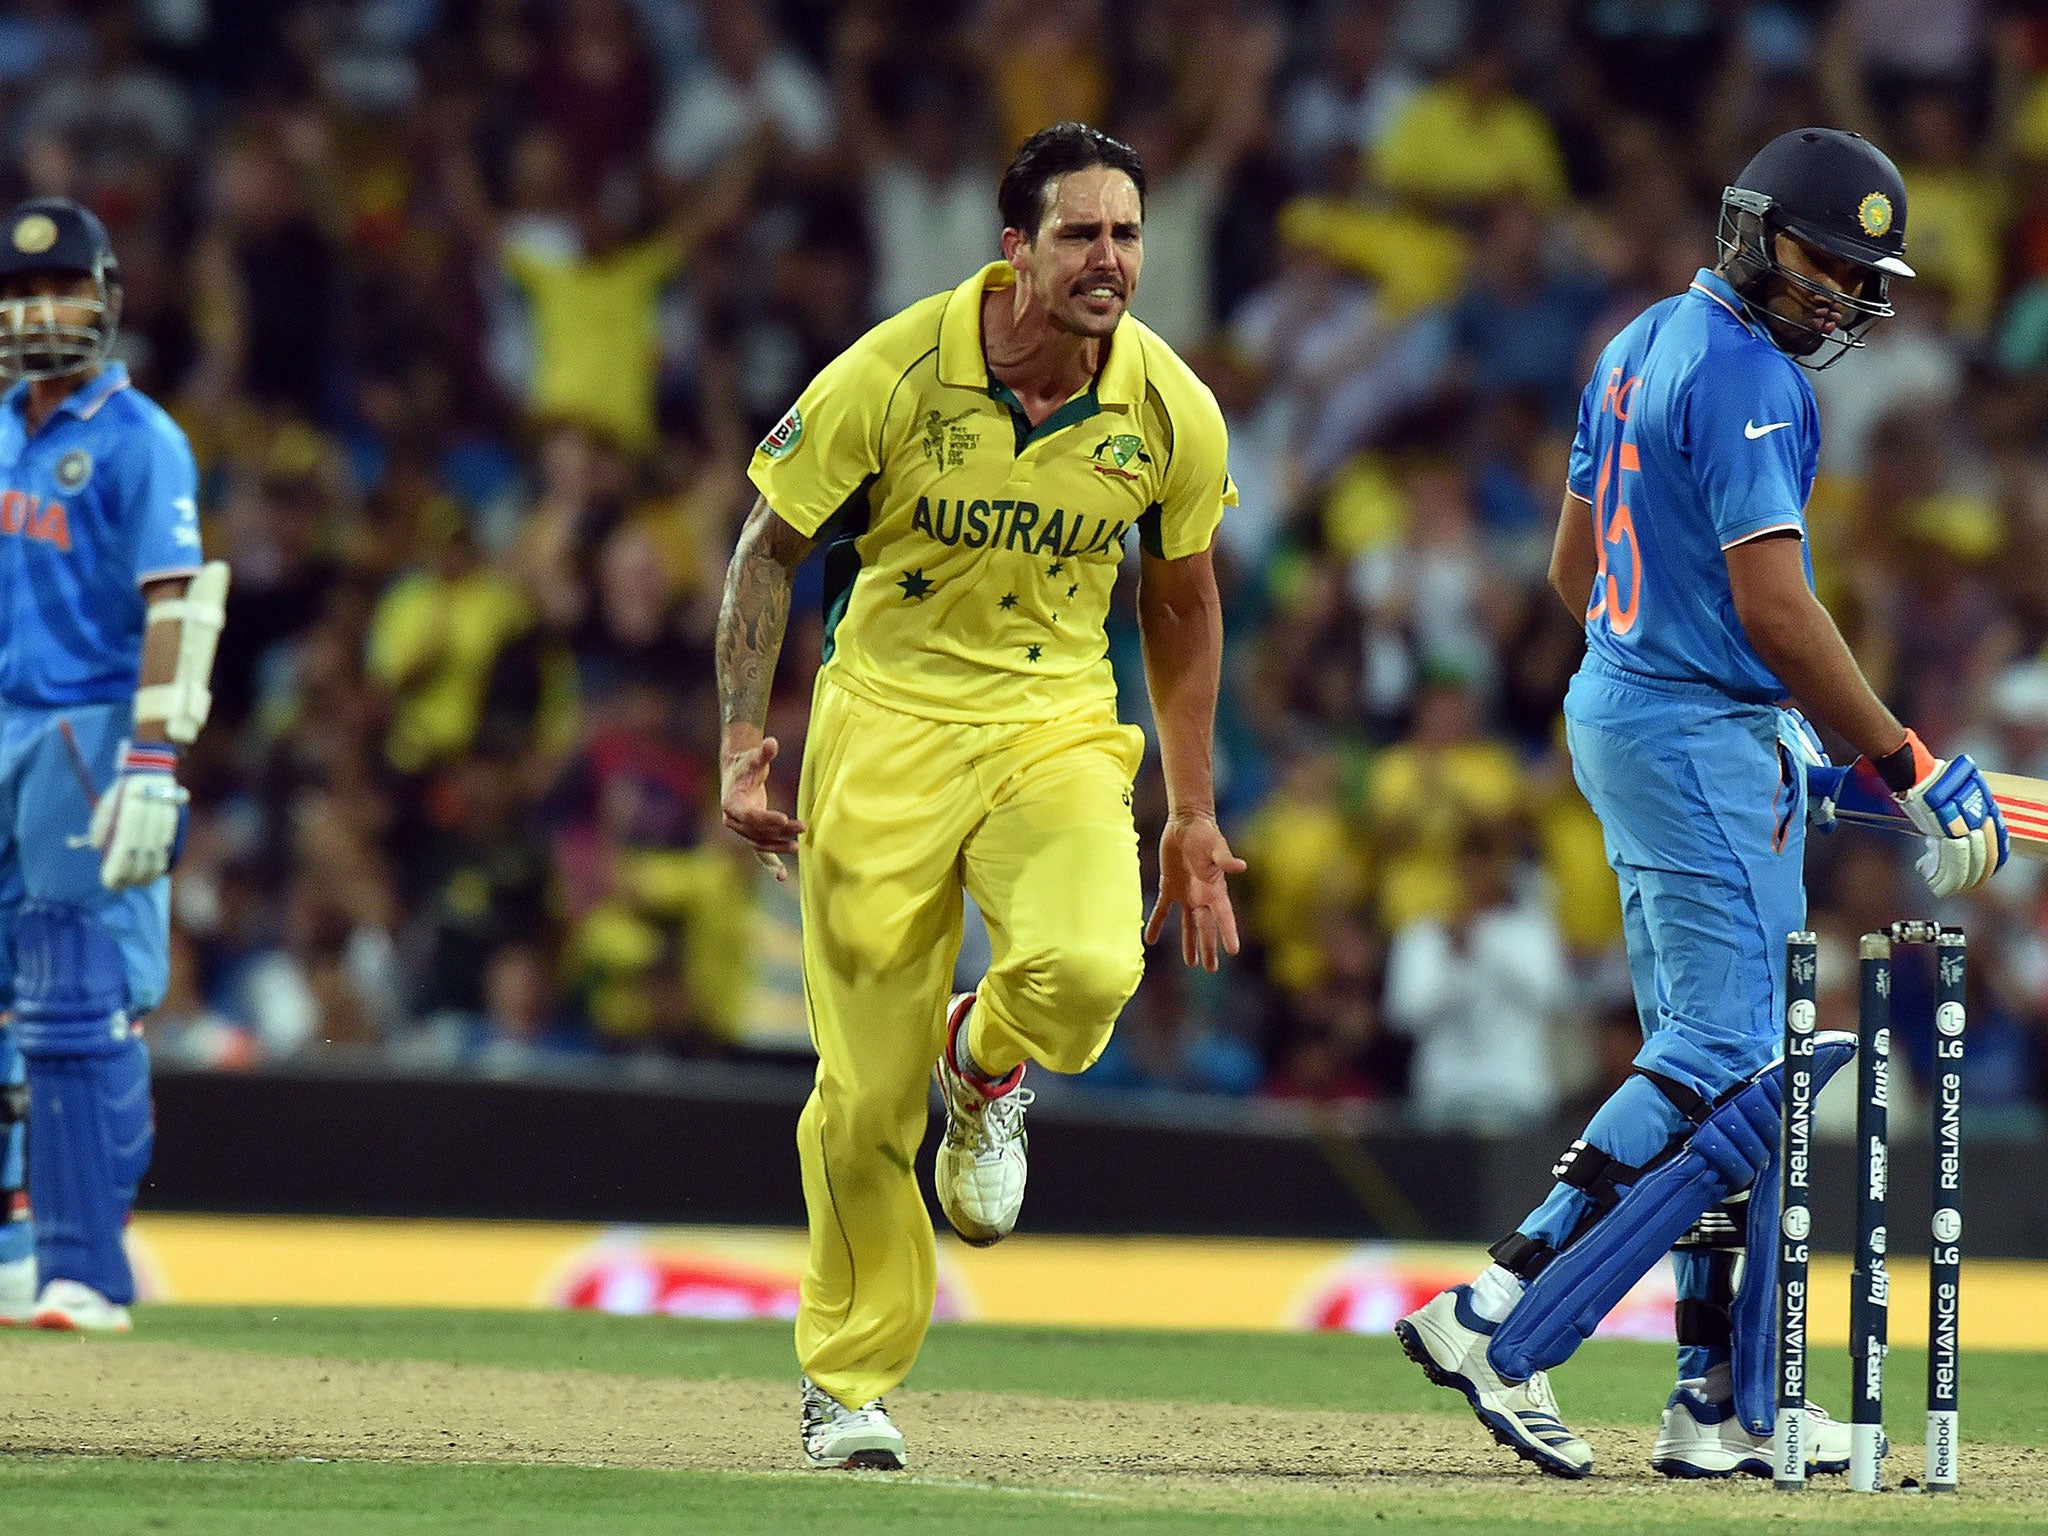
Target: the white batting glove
pixel 140 818
pixel 1950 802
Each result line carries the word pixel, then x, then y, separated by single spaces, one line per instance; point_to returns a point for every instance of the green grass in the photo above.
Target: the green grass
pixel 1606 1383
pixel 1611 1383
pixel 108 1497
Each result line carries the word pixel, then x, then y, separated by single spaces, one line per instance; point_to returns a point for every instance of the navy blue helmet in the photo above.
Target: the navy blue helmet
pixel 1835 191
pixel 41 336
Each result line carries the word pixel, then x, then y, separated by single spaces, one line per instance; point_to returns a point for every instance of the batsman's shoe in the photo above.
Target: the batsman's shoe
pixel 980 1168
pixel 835 1435
pixel 17 1292
pixel 1448 1340
pixel 78 1308
pixel 1702 1437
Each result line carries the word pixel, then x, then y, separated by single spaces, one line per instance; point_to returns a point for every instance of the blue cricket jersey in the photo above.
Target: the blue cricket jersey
pixel 99 500
pixel 1696 433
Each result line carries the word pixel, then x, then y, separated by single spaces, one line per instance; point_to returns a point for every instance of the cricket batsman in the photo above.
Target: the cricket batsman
pixel 108 623
pixel 973 467
pixel 1682 547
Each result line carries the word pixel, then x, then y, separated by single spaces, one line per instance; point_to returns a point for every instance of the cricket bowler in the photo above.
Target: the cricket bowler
pixel 973 467
pixel 108 624
pixel 1682 547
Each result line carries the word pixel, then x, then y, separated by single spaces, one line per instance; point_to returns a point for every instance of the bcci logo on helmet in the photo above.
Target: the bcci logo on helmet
pixel 35 234
pixel 1874 213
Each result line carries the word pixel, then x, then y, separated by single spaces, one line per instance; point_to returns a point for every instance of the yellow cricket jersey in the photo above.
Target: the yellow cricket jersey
pixel 971 556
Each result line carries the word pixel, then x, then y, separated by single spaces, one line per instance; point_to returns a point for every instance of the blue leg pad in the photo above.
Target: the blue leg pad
pixel 1634 1125
pixel 70 982
pixel 1753 1317
pixel 17 1239
pixel 90 1125
pixel 1731 1149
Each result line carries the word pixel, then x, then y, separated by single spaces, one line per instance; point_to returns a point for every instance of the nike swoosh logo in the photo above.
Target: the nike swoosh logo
pixel 1752 431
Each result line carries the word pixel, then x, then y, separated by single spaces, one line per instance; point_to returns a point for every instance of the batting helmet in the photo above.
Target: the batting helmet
pixel 42 336
pixel 1834 191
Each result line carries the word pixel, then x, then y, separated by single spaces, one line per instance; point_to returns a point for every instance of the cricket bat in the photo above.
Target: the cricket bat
pixel 1865 802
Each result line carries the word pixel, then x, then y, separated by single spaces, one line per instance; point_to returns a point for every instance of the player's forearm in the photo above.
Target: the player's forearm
pixel 1183 643
pixel 1801 644
pixel 161 642
pixel 1574 558
pixel 752 619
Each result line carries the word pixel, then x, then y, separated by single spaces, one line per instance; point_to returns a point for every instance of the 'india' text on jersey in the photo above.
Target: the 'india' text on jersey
pixel 94 503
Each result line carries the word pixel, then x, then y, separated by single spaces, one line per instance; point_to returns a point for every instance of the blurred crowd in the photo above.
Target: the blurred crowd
pixel 473 310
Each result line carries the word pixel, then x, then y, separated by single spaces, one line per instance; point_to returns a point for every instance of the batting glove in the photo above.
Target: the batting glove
pixel 1823 778
pixel 138 825
pixel 1949 801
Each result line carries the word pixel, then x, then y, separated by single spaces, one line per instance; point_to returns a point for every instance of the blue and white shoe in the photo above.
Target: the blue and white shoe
pixel 1702 1437
pixel 1448 1340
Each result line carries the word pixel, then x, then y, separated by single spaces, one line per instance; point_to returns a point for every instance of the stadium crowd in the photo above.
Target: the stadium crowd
pixel 474 309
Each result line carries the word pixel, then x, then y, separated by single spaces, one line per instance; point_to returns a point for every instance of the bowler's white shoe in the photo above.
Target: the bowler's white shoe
pixel 17 1292
pixel 70 1305
pixel 980 1168
pixel 1702 1437
pixel 1448 1340
pixel 835 1435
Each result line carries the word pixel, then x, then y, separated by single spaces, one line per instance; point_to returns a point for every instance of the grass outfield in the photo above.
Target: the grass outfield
pixel 1308 1385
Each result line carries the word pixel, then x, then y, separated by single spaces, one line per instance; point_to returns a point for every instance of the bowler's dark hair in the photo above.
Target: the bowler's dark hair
pixel 1056 151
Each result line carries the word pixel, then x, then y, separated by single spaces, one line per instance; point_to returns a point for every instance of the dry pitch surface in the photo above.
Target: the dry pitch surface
pixel 1081 1462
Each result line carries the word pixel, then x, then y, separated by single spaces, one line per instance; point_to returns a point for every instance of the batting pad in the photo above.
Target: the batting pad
pixel 90 1127
pixel 1731 1149
pixel 1753 1316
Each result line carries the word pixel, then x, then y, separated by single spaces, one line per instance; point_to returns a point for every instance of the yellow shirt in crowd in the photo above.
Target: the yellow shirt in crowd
pixel 972 555
pixel 595 342
pixel 1448 146
pixel 448 632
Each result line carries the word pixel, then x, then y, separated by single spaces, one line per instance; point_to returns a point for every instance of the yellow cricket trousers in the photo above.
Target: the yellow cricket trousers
pixel 902 813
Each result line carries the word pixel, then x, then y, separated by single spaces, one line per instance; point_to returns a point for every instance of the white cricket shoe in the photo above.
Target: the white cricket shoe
pixel 1448 1340
pixel 1702 1437
pixel 980 1168
pixel 18 1292
pixel 835 1435
pixel 78 1308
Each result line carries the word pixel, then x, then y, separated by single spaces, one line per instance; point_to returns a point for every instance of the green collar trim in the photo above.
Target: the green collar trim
pixel 1080 408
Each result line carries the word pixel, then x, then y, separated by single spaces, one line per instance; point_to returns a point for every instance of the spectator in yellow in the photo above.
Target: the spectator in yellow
pixel 691 909
pixel 596 348
pixel 1046 61
pixel 1958 209
pixel 1309 865
pixel 1424 792
pixel 1468 138
pixel 435 637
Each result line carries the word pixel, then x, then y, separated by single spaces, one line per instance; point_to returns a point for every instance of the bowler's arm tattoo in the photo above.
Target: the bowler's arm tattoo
pixel 755 614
